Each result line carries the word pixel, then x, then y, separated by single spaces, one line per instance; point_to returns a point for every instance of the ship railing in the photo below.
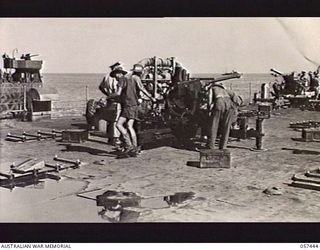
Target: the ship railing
pixel 70 108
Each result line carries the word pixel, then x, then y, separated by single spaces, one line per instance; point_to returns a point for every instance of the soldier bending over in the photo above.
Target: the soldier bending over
pixel 224 103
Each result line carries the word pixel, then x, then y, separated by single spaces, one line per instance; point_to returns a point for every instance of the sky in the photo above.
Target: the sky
pixel 202 45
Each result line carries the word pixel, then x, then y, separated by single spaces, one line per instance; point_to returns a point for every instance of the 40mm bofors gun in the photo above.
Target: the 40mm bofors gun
pixel 21 87
pixel 297 90
pixel 182 107
pixel 291 85
pixel 187 105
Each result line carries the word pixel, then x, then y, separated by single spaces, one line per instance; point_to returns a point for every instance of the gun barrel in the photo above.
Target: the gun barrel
pixel 277 72
pixel 226 77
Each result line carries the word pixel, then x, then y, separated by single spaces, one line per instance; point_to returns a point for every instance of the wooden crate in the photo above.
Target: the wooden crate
pixel 297 101
pixel 38 116
pixel 75 135
pixel 311 134
pixel 40 106
pixel 215 158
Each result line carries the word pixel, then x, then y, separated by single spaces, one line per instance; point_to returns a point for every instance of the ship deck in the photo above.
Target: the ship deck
pixel 221 195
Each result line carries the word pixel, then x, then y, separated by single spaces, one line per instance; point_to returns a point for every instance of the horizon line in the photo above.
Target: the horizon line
pixel 196 73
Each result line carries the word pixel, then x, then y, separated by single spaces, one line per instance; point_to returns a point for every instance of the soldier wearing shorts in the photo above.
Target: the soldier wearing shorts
pixel 129 88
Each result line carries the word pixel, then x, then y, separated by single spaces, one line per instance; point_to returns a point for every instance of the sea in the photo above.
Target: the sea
pixel 74 90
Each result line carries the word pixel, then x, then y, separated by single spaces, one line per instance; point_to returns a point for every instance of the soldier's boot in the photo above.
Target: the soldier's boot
pixel 116 141
pixel 128 147
pixel 134 151
pixel 127 143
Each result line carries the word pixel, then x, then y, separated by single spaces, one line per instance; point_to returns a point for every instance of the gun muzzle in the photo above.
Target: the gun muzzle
pixel 276 71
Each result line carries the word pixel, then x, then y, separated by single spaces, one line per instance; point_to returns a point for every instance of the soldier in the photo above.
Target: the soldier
pixel 128 91
pixel 317 84
pixel 304 79
pixel 314 83
pixel 109 86
pixel 224 104
pixel 290 83
pixel 277 89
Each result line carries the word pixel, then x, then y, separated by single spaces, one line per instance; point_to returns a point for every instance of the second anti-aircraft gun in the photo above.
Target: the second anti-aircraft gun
pixel 291 84
pixel 295 89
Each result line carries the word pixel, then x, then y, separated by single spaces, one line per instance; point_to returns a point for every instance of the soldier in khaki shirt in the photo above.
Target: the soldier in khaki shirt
pixel 223 109
pixel 109 86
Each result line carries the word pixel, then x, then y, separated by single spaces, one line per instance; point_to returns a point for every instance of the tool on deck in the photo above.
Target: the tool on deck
pixel 56 131
pixel 30 171
pixel 28 168
pixel 53 135
pixel 57 167
pixel 76 163
pixel 8 176
pixel 315 175
pixel 22 138
pixel 305 185
pixel 310 180
pixel 26 179
pixel 37 136
pixel 13 165
pixel 28 165
pixel 33 137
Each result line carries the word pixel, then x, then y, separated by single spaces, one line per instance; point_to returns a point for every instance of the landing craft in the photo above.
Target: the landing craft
pixel 22 92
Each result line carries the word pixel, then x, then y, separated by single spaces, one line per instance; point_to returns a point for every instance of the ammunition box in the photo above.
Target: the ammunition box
pixel 311 134
pixel 75 135
pixel 215 158
pixel 39 106
pixel 41 110
pixel 298 101
pixel 38 116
